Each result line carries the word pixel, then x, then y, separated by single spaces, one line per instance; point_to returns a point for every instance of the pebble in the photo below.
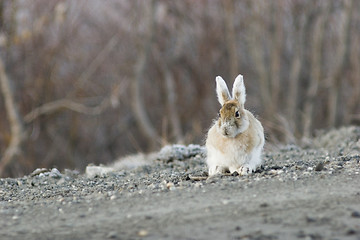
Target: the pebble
pixel 198 178
pixel 112 235
pixel 351 231
pixel 319 166
pixel 143 233
pixel 264 205
pixel 55 173
pixel 275 172
pixel 225 201
pixel 38 171
pixel 170 186
pixel 355 214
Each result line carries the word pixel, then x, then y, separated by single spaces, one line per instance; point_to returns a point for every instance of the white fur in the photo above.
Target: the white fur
pixel 239 89
pixel 221 90
pixel 231 160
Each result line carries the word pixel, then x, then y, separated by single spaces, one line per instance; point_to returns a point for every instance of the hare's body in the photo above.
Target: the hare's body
pixel 236 139
pixel 241 154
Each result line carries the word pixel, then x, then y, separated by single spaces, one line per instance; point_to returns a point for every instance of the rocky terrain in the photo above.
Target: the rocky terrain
pixel 307 192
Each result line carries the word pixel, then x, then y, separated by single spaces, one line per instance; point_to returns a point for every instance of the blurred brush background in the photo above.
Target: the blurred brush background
pixel 87 81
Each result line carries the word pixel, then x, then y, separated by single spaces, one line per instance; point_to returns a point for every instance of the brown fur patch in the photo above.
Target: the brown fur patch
pixel 229 108
pixel 225 95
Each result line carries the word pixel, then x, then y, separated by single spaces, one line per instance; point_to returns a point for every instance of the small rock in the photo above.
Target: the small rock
pixel 275 172
pixel 301 234
pixel 170 186
pixel 276 167
pixel 112 235
pixel 43 174
pixel 71 173
pixel 197 178
pixel 143 233
pixel 310 219
pixel 355 214
pixel 97 171
pixel 179 152
pixel 38 171
pixel 55 173
pixel 319 166
pixel 351 231
pixel 61 181
pixel 264 205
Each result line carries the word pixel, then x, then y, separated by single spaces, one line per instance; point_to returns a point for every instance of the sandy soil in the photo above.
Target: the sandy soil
pixel 308 192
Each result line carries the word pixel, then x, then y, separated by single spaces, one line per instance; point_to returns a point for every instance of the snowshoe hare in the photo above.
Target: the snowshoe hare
pixel 235 141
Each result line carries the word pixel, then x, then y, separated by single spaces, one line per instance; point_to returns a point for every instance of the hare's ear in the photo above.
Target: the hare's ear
pixel 238 91
pixel 222 90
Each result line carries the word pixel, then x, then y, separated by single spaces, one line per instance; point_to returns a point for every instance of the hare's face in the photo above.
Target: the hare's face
pixel 233 119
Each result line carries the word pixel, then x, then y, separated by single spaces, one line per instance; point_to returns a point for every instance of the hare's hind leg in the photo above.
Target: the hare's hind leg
pixel 254 162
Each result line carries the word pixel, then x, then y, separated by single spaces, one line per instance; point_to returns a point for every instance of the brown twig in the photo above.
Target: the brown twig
pixel 54 106
pixel 16 128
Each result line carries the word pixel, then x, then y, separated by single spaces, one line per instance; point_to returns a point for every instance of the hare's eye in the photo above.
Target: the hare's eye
pixel 218 114
pixel 237 114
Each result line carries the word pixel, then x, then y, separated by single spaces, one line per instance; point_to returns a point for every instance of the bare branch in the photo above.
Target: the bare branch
pixel 54 106
pixel 256 52
pixel 295 68
pixel 172 106
pixel 230 37
pixel 51 107
pixel 98 60
pixel 277 43
pixel 315 71
pixel 16 127
pixel 139 110
pixel 343 53
pixel 354 99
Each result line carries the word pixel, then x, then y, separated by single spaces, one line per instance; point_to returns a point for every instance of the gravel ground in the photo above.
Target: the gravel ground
pixel 308 192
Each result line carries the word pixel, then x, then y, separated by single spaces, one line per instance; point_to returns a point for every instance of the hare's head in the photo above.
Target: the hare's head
pixel 233 119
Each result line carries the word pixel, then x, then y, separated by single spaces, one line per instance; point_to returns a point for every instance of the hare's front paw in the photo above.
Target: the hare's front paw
pixel 246 169
pixel 217 170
